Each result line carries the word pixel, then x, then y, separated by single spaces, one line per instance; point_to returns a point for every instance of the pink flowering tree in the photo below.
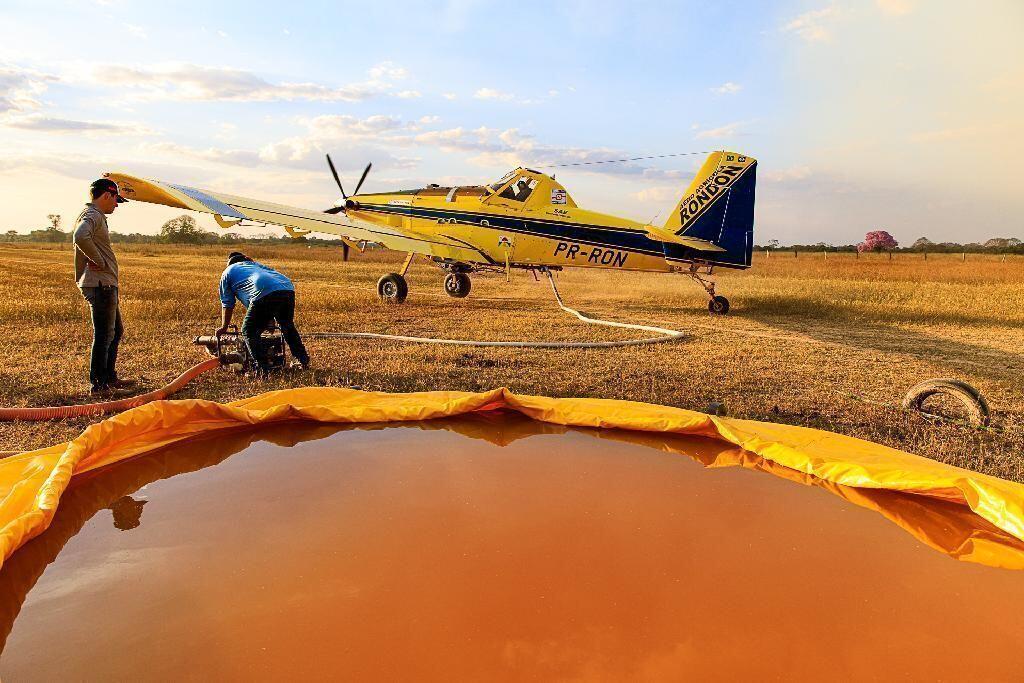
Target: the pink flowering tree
pixel 877 241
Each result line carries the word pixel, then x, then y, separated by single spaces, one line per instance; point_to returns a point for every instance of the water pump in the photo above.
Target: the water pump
pixel 231 349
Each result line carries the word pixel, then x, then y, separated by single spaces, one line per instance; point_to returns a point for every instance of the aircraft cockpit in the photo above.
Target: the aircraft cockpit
pixel 519 190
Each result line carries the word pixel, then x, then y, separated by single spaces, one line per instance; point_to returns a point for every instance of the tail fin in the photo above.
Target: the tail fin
pixel 718 207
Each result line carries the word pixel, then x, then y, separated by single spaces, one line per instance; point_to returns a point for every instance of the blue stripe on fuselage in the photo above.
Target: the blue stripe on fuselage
pixel 571 232
pixel 627 239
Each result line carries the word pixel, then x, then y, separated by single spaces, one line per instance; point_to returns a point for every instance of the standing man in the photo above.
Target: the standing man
pixel 267 295
pixel 96 276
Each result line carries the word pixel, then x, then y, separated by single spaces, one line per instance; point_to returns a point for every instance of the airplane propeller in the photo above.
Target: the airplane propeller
pixel 359 185
pixel 339 209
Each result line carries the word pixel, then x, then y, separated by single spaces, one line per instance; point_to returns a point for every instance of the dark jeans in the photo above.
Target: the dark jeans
pixel 279 306
pixel 106 333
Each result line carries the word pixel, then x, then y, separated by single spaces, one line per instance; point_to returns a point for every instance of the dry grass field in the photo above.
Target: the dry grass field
pixel 832 344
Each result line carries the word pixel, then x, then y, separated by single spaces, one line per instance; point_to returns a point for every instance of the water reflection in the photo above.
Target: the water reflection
pixel 942 525
pixel 127 513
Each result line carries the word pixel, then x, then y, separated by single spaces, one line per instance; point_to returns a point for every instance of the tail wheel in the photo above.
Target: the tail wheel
pixel 392 288
pixel 718 305
pixel 457 285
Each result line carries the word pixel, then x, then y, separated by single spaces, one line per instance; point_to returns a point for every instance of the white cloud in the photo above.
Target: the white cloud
pixel 238 157
pixel 812 26
pixel 51 124
pixel 659 194
pixel 388 140
pixel 388 71
pixel 727 88
pixel 408 94
pixel 341 126
pixel 206 83
pixel 511 147
pixel 449 96
pixel 493 94
pixel 136 31
pixel 787 174
pixel 19 108
pixel 727 131
pixel 20 89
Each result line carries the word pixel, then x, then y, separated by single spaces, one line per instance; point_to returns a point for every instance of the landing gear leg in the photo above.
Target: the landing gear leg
pixel 717 305
pixel 408 262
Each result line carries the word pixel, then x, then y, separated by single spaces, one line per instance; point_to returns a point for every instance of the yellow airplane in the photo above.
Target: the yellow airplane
pixel 524 220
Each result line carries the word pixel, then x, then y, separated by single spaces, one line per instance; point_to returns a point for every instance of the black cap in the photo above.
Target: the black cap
pixel 236 256
pixel 102 185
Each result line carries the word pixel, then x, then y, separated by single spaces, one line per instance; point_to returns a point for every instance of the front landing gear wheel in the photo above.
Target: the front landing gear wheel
pixel 392 288
pixel 718 305
pixel 457 285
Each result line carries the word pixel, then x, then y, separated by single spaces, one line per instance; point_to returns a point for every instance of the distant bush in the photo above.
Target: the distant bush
pixel 185 230
pixel 878 241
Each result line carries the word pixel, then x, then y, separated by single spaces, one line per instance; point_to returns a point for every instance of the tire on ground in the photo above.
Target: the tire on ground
pixel 392 288
pixel 970 398
pixel 457 285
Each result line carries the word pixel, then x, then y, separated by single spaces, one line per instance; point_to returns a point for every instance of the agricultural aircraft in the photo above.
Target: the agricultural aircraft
pixel 524 220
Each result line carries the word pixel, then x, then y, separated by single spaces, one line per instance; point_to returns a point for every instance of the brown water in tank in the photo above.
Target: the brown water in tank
pixel 411 552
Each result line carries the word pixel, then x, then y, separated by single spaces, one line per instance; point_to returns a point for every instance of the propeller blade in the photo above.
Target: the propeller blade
pixel 335 209
pixel 344 251
pixel 334 172
pixel 360 183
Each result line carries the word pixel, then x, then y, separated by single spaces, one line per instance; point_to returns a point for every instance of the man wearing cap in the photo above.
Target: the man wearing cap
pixel 96 276
pixel 267 295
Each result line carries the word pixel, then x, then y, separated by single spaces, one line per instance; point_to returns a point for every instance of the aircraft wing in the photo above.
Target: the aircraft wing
pixel 230 210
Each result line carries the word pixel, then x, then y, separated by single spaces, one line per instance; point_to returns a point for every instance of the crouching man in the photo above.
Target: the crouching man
pixel 267 295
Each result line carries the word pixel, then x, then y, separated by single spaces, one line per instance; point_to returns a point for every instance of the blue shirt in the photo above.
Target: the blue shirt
pixel 250 281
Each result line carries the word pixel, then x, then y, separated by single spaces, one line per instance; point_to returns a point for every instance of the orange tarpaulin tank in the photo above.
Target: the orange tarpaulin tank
pixel 31 483
pixel 332 533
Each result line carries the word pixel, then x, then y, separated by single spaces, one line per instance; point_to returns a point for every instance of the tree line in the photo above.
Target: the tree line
pixel 185 230
pixel 180 230
pixel 876 242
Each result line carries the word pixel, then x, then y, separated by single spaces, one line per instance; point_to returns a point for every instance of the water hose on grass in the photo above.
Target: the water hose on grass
pixel 90 409
pixel 664 335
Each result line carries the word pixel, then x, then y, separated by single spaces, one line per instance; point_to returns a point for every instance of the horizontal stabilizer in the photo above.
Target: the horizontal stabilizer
pixel 662 235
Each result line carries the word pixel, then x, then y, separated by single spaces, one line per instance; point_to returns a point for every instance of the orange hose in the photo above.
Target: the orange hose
pixel 57 412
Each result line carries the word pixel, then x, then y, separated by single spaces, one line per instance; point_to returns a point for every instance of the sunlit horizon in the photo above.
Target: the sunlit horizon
pixel 864 116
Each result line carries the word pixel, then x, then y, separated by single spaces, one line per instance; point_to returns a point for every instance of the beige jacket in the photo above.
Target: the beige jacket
pixel 95 263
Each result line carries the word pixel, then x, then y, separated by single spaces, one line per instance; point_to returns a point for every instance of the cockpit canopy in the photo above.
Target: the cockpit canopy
pixel 528 186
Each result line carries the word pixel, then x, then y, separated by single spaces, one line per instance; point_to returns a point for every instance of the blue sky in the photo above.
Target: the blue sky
pixel 864 115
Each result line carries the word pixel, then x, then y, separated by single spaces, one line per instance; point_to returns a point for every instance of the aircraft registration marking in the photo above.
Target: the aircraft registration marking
pixel 596 255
